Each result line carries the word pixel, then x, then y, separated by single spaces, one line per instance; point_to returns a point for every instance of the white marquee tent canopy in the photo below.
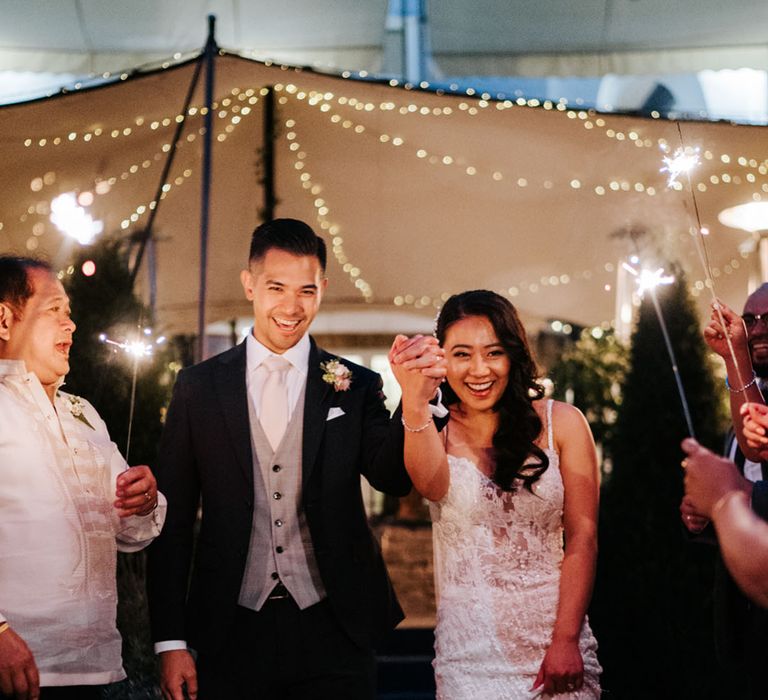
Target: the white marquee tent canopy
pixel 501 37
pixel 418 194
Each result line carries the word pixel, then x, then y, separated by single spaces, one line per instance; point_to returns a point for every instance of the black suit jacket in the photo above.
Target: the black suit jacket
pixel 205 453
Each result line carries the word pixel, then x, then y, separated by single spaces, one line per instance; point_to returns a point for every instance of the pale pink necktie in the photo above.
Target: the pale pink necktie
pixel 273 413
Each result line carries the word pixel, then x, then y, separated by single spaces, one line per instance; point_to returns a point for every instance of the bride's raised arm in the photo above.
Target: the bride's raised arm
pixel 419 366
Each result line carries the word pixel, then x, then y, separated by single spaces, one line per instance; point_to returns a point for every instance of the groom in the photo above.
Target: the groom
pixel 288 591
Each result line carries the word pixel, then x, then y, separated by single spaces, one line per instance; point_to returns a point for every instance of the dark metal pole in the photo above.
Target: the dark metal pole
pixel 205 194
pixel 269 155
pixel 152 265
pixel 147 234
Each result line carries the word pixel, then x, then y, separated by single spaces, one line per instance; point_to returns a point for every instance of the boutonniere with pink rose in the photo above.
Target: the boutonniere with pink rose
pixel 336 374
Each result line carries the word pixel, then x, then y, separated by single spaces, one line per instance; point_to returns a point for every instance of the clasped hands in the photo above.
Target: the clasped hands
pixel 419 366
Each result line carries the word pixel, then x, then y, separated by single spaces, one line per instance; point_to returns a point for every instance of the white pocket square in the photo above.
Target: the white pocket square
pixel 334 412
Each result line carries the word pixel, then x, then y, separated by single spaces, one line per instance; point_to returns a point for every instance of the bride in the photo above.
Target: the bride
pixel 507 476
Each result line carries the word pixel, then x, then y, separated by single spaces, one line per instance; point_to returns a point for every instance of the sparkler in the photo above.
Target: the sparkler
pixel 138 348
pixel 647 281
pixel 682 162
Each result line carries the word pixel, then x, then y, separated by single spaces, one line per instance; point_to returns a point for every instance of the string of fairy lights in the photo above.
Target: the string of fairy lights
pixel 323 101
pixel 237 106
pixel 231 109
pixel 320 100
pixel 496 174
pixel 588 118
pixel 322 212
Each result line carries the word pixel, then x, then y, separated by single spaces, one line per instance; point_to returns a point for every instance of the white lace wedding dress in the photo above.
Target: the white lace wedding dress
pixel 497 573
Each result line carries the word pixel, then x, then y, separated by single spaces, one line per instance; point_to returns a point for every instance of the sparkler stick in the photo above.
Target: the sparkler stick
pixel 647 281
pixel 136 349
pixel 682 162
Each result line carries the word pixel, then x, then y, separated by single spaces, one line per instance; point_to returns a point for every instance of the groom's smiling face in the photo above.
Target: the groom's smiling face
pixel 285 291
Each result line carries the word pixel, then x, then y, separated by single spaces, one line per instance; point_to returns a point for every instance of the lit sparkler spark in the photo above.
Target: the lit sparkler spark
pixel 681 162
pixel 136 348
pixel 647 280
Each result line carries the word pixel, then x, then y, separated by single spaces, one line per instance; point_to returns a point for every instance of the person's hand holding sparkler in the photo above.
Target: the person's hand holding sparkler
pixel 709 477
pixel 715 487
pixel 136 492
pixel 726 334
pixel 715 334
pixel 694 521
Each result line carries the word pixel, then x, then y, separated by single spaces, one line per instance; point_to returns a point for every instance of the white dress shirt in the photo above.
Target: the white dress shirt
pixel 60 532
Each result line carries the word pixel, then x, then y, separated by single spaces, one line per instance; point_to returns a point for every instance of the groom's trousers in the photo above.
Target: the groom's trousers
pixel 284 653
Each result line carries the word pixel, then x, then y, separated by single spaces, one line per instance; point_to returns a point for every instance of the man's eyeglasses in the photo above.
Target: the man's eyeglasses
pixel 751 320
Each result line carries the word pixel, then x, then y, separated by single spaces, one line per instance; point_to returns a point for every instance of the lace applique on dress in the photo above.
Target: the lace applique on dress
pixel 497 575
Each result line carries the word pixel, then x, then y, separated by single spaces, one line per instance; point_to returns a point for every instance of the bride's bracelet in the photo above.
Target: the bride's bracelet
pixel 420 429
pixel 745 387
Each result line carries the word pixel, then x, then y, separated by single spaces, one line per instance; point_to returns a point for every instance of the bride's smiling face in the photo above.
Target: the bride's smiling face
pixel 478 365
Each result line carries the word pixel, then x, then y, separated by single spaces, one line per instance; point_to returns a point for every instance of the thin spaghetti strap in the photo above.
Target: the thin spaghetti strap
pixel 550 442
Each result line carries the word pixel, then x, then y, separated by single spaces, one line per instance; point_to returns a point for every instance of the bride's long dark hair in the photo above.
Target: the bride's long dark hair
pixel 519 424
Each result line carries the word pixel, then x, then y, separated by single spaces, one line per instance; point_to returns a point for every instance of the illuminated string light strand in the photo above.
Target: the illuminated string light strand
pixel 589 119
pixel 495 174
pixel 515 290
pixel 141 123
pixel 142 209
pixel 227 109
pixel 322 212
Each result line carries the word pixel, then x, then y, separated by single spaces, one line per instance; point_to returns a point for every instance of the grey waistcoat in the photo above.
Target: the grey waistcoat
pixel 281 547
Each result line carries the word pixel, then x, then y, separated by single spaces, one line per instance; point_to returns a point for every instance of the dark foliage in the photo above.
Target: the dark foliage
pixel 652 604
pixel 590 374
pixel 105 303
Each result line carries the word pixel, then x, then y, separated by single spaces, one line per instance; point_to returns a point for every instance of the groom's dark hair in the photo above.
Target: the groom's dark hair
pixel 290 235
pixel 15 286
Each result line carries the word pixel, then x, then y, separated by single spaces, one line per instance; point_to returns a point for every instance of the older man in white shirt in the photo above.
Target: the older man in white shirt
pixel 68 503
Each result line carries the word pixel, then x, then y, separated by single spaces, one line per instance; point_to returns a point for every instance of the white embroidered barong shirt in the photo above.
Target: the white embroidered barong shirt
pixel 59 531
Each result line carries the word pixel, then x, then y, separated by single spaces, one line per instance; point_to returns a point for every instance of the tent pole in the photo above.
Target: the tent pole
pixel 269 155
pixel 205 194
pixel 414 17
pixel 152 265
pixel 147 233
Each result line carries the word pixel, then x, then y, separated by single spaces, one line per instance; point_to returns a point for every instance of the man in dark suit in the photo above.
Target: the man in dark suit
pixel 741 627
pixel 285 592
